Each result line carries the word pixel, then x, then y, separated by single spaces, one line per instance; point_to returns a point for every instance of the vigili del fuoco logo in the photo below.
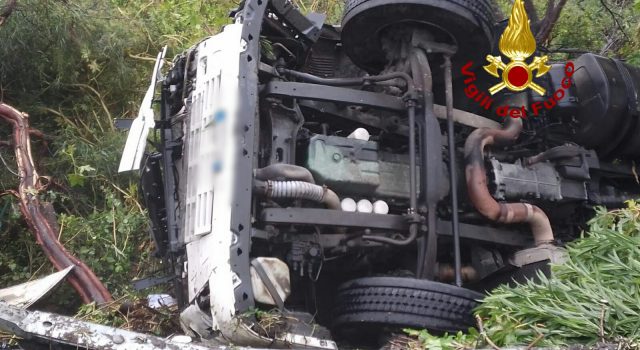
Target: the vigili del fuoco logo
pixel 518 44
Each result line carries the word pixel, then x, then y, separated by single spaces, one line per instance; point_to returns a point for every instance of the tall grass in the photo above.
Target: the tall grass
pixel 594 296
pixel 333 8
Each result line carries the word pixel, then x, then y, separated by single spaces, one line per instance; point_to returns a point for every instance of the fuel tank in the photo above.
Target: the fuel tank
pixel 606 93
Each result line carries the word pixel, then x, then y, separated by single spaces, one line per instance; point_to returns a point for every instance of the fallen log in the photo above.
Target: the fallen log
pixel 38 215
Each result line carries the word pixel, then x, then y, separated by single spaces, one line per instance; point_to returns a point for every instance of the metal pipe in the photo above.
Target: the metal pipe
pixel 565 151
pixel 432 159
pixel 413 234
pixel 331 199
pixel 447 273
pixel 348 81
pixel 479 194
pixel 453 172
pixel 302 177
pixel 298 190
pixel 284 172
pixel 413 189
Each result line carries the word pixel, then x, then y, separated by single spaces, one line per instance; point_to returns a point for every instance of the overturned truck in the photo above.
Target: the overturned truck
pixel 358 179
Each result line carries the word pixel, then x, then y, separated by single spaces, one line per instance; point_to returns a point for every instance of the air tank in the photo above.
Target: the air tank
pixel 606 92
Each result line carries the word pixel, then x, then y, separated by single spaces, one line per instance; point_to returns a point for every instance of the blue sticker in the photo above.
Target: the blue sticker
pixel 220 116
pixel 217 166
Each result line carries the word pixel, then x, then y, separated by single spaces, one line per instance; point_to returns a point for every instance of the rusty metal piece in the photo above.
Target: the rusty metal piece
pixel 447 273
pixel 506 213
pixel 38 215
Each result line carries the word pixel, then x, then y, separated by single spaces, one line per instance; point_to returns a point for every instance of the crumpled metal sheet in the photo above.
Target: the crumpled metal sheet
pixel 26 294
pixel 58 329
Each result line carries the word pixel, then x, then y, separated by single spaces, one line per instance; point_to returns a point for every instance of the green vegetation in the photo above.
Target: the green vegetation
pixel 74 67
pixel 418 340
pixel 607 27
pixel 333 8
pixel 593 296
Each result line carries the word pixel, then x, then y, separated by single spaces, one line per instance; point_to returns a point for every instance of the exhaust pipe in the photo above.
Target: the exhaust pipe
pixel 285 181
pixel 506 213
pixel 297 190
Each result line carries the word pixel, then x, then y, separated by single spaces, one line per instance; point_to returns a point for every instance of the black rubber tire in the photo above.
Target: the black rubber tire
pixel 465 23
pixel 395 302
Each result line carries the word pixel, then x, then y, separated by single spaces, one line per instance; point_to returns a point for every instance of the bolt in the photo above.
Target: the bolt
pixel 118 339
pixel 313 252
pixel 337 157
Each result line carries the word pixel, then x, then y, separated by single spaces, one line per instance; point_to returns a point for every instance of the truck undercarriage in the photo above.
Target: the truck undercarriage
pixel 347 177
pixel 349 180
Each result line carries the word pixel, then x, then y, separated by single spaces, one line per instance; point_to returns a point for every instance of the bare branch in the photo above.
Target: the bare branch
pixel 11 193
pixel 615 16
pixel 550 19
pixel 551 4
pixel 40 216
pixel 7 10
pixel 532 11
pixel 484 334
pixel 564 50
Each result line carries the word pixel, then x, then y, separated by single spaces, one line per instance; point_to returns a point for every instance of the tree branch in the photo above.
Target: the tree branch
pixel 11 193
pixel 563 50
pixel 7 10
pixel 40 217
pixel 532 11
pixel 550 19
pixel 615 16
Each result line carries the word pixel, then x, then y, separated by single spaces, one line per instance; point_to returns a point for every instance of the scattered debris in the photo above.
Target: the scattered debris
pixel 158 301
pixel 136 316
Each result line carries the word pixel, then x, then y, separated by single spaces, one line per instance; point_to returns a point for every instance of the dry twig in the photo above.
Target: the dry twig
pixel 535 341
pixel 484 334
pixel 7 10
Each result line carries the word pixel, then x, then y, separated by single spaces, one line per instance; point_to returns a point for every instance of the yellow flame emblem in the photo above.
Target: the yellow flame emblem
pixel 518 43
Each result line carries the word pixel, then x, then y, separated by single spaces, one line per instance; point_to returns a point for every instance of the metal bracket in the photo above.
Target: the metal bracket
pixel 335 218
pixel 310 26
pixel 316 92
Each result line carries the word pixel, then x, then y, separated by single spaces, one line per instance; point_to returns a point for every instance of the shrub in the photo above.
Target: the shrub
pixel 593 296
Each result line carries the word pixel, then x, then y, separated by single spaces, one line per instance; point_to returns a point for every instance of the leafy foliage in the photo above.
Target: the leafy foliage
pixel 20 258
pixel 606 27
pixel 424 340
pixel 591 297
pixel 333 8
